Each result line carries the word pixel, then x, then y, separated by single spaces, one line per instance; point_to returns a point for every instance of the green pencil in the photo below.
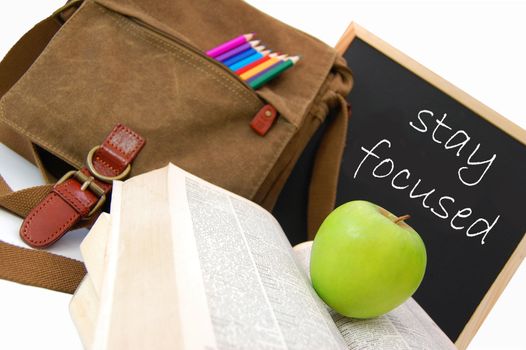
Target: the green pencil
pixel 273 72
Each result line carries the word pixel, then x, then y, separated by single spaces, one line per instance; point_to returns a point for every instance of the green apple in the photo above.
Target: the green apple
pixel 366 261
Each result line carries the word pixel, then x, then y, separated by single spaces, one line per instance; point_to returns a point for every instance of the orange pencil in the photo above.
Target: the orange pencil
pixel 259 68
pixel 255 63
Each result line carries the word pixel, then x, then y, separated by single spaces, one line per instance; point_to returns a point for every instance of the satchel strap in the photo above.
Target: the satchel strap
pixel 4 187
pixel 22 55
pixel 27 266
pixel 27 49
pixel 40 268
pixel 21 202
pixel 326 169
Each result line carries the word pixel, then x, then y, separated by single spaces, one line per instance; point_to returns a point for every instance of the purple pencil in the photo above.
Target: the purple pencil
pixel 237 50
pixel 229 45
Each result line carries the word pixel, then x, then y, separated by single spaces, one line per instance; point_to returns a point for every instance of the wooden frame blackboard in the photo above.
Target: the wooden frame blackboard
pixel 510 129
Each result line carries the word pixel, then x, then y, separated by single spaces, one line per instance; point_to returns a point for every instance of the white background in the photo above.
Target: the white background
pixel 478 46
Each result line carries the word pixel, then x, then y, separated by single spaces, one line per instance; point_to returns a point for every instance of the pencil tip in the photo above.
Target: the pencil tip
pixel 294 59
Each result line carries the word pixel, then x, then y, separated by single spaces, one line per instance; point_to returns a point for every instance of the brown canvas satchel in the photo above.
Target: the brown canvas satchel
pixel 94 64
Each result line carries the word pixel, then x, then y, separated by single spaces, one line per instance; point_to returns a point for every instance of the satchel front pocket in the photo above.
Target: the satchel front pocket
pixel 103 68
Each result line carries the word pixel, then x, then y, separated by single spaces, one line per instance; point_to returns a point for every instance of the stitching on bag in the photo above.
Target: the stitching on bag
pixel 166 48
pixel 128 27
pixel 54 234
pixel 38 139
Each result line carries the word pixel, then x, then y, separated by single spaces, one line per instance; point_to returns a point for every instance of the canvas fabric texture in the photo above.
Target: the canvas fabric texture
pixel 64 86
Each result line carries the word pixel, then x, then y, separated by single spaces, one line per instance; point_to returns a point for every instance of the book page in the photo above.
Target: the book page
pixel 406 327
pixel 235 269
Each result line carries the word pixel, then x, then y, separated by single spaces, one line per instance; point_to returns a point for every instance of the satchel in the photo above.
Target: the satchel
pixel 94 64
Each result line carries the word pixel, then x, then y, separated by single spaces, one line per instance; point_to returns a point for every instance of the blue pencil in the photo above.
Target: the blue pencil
pixel 248 60
pixel 242 55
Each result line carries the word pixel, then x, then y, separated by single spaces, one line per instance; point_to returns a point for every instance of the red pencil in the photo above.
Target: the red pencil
pixel 255 63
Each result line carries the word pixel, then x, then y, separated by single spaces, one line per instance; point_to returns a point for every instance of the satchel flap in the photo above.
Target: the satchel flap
pixel 103 68
pixel 206 24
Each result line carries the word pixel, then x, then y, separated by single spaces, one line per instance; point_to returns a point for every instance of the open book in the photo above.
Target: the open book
pixel 181 263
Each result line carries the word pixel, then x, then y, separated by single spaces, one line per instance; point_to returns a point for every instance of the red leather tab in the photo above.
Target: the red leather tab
pixel 264 119
pixel 67 203
pixel 117 151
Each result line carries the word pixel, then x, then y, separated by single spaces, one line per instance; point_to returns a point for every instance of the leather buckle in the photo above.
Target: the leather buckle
pixel 87 182
pixel 79 195
pixel 108 179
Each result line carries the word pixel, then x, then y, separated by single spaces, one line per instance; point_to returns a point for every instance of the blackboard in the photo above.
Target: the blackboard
pixel 428 140
pixel 411 133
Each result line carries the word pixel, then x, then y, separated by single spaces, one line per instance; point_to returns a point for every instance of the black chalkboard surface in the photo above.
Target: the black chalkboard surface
pixel 414 149
pixel 416 145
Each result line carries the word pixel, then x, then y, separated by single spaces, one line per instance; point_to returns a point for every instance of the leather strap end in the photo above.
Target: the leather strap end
pixel 48 222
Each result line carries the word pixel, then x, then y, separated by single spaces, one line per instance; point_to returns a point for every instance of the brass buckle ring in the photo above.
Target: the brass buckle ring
pixel 108 179
pixel 87 182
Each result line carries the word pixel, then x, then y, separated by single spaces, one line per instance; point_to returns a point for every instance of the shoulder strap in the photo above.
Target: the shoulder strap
pixel 22 55
pixel 4 187
pixel 40 268
pixel 326 169
pixel 35 267
pixel 21 202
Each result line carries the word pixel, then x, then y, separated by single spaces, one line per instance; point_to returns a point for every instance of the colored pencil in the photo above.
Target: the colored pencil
pixel 249 74
pixel 229 45
pixel 274 72
pixel 255 63
pixel 243 55
pixel 246 61
pixel 236 50
pixel 261 73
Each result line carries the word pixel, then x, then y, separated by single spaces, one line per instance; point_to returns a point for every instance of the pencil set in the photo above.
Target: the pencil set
pixel 251 61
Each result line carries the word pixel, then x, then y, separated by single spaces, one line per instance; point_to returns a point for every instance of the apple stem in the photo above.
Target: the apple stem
pixel 402 218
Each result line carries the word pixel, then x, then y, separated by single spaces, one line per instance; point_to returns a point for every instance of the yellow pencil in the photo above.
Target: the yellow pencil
pixel 260 68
